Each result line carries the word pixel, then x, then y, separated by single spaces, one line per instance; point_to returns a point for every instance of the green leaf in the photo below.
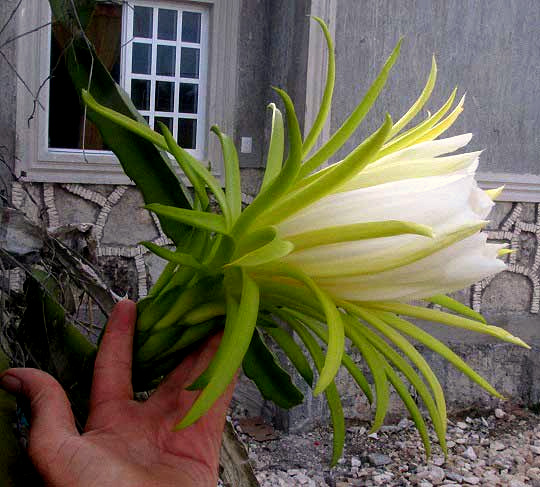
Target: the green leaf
pixel 357 231
pixel 231 351
pixel 262 367
pixel 326 101
pixel 275 151
pixel 327 183
pixel 351 124
pixel 284 340
pixel 331 393
pixel 197 219
pixel 286 177
pixel 420 102
pixel 437 346
pixel 175 257
pixel 460 308
pixel 148 167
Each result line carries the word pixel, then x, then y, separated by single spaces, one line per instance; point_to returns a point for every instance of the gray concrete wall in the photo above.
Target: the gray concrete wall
pixel 7 96
pixel 272 52
pixel 489 48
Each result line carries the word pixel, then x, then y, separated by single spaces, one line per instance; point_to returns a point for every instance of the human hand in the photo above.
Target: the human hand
pixel 125 443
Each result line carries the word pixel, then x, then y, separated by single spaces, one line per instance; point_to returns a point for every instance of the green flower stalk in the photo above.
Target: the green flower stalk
pixel 334 253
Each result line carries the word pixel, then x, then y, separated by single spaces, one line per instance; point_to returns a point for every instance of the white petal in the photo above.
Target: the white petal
pixel 448 270
pixel 441 202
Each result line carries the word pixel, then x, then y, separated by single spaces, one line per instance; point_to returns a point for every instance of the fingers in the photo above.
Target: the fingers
pixel 52 419
pixel 112 370
pixel 166 396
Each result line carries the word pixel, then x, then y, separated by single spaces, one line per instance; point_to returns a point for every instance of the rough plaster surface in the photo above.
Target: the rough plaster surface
pixel 486 48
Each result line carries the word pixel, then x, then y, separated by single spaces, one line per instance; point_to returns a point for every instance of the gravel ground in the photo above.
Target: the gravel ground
pixel 499 448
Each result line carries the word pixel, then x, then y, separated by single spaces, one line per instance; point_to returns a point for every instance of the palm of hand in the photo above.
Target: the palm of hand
pixel 126 443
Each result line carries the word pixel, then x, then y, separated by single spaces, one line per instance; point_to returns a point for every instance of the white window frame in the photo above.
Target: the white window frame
pixel 36 162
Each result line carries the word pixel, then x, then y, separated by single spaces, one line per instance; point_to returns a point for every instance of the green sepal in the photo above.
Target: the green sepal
pixel 453 305
pixel 197 219
pixel 351 124
pixel 231 351
pixel 274 159
pixel 326 101
pixel 286 177
pixel 176 257
pixel 233 191
pixel 357 231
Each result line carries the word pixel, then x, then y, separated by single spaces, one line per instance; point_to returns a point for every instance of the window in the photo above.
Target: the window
pixel 167 55
pixel 166 52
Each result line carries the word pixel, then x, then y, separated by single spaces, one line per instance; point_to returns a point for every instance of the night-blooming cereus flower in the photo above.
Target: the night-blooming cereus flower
pixel 334 253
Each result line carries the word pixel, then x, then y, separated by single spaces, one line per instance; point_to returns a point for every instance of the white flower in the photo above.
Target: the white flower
pixel 415 185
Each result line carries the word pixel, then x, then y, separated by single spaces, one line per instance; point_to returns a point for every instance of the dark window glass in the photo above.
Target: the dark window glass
pixel 164 120
pixel 165 60
pixel 141 58
pixel 188 98
pixel 191 27
pixel 66 115
pixel 140 93
pixel 167 20
pixel 189 63
pixel 142 22
pixel 187 133
pixel 164 96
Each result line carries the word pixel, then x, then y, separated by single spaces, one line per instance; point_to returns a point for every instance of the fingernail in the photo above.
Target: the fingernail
pixel 10 383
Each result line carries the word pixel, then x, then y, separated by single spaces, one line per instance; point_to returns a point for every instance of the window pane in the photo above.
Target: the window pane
pixel 164 96
pixel 166 60
pixel 164 120
pixel 187 133
pixel 140 93
pixel 141 60
pixel 189 63
pixel 167 24
pixel 142 22
pixel 188 98
pixel 191 27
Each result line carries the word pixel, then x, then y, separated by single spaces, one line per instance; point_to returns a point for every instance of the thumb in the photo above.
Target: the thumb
pixel 52 419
